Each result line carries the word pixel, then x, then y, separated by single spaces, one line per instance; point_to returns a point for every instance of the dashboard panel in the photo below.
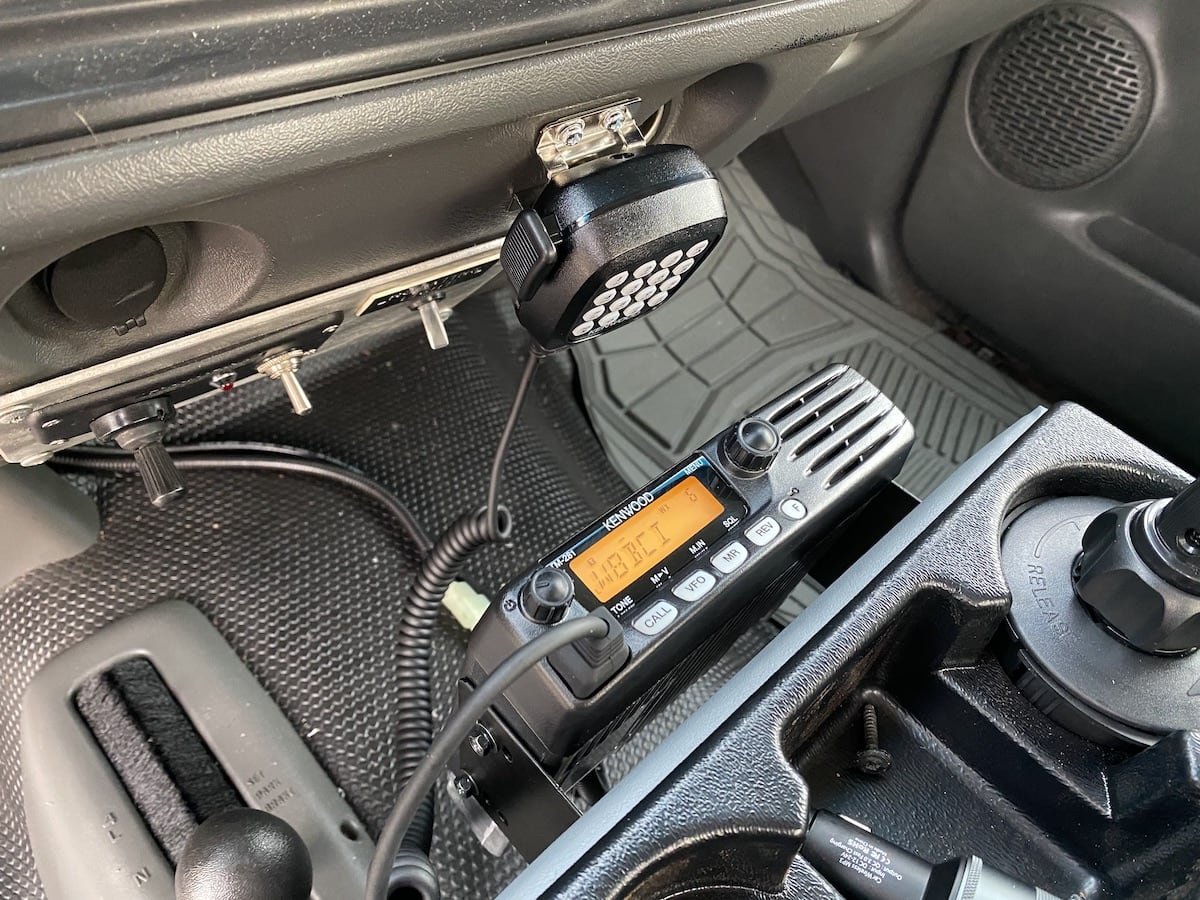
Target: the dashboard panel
pixel 288 156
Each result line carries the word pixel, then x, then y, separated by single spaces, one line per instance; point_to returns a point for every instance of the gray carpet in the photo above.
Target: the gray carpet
pixel 305 580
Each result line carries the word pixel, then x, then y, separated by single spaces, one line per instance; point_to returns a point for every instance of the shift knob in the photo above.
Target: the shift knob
pixel 244 854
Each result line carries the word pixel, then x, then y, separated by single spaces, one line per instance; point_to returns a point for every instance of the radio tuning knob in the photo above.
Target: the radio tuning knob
pixel 547 596
pixel 752 446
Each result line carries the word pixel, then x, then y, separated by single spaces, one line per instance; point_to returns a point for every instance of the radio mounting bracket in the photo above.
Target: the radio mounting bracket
pixel 533 808
pixel 572 141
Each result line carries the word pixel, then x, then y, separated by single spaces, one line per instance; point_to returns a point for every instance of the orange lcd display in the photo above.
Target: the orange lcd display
pixel 644 540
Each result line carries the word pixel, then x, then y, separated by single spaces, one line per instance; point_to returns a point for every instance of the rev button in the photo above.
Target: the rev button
pixel 763 531
pixel 655 619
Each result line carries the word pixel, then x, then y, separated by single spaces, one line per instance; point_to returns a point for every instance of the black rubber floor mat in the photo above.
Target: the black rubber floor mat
pixel 305 580
pixel 767 312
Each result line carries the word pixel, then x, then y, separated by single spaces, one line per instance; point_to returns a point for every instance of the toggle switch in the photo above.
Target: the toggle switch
pixel 282 367
pixel 431 319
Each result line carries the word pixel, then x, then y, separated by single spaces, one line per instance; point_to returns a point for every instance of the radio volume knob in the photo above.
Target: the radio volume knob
pixel 752 446
pixel 547 596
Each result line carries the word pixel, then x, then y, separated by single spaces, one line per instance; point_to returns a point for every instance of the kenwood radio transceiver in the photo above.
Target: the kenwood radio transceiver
pixel 679 570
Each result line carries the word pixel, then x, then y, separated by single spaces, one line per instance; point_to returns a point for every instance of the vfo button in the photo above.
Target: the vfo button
pixel 694 586
pixel 656 619
pixel 763 531
pixel 793 508
pixel 730 558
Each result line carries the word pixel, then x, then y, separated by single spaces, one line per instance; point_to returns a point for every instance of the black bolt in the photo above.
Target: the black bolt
pixel 464 785
pixel 870 727
pixel 481 742
pixel 872 759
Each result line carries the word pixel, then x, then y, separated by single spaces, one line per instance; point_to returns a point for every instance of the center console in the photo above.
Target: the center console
pixel 1008 676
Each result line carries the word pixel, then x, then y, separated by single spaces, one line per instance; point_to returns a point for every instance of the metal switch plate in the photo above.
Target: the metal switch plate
pixel 56 424
pixel 18 444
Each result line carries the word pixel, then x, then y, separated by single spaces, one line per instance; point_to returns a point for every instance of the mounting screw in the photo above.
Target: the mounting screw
pixel 481 742
pixel 571 133
pixel 15 415
pixel 464 786
pixel 613 120
pixel 872 760
pixel 329 329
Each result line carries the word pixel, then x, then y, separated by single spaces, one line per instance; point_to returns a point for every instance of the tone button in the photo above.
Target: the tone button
pixel 654 620
pixel 763 531
pixel 694 586
pixel 730 558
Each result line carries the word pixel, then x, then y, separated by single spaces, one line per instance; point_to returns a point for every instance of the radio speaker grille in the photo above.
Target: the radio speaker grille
pixel 1061 97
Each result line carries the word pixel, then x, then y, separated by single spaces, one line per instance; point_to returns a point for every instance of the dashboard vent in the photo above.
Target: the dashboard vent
pixel 1061 97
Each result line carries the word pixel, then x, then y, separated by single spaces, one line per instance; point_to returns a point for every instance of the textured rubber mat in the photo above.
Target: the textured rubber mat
pixel 767 312
pixel 305 580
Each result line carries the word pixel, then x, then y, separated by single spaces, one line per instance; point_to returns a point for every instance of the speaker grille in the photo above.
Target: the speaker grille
pixel 1061 97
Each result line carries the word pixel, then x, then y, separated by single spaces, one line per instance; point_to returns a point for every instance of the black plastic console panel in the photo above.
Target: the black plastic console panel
pixel 108 65
pixel 90 839
pixel 262 203
pixel 721 808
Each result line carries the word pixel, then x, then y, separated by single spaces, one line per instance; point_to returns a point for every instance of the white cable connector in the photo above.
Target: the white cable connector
pixel 465 603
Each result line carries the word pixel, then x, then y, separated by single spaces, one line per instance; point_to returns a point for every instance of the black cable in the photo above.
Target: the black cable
pixel 457 727
pixel 239 447
pixel 256 459
pixel 493 490
pixel 418 617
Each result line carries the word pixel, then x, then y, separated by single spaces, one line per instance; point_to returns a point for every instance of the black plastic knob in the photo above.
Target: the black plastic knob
pixel 752 446
pixel 163 484
pixel 244 854
pixel 547 596
pixel 1136 582
pixel 140 428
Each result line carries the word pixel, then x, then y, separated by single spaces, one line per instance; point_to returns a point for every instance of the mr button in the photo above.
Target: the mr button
pixel 730 558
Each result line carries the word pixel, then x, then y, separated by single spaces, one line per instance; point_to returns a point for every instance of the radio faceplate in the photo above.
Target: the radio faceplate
pixel 685 566
pixel 640 546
